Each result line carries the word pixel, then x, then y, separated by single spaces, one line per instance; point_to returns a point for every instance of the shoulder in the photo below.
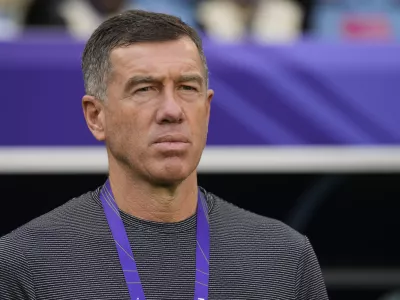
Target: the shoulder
pixel 267 248
pixel 246 220
pixel 24 249
pixel 15 274
pixel 11 255
pixel 74 215
pixel 33 251
pixel 248 226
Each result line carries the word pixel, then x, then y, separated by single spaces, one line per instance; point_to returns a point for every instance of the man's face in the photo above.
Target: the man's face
pixel 157 109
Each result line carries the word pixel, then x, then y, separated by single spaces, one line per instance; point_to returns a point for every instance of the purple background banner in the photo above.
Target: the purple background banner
pixel 300 94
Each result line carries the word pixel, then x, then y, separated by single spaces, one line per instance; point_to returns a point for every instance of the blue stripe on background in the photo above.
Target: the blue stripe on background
pixel 301 94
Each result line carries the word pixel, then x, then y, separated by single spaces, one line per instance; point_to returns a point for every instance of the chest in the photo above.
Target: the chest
pixel 91 270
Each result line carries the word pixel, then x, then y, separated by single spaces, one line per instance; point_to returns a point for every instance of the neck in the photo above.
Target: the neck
pixel 151 202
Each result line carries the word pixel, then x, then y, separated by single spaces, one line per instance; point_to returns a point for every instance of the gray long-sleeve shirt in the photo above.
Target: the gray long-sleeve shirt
pixel 69 253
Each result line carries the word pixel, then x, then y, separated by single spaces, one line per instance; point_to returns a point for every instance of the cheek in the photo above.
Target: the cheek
pixel 122 125
pixel 199 121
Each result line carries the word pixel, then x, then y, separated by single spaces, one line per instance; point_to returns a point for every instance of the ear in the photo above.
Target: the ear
pixel 93 110
pixel 210 95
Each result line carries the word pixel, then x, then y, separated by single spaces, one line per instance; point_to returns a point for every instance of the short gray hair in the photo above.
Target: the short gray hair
pixel 125 29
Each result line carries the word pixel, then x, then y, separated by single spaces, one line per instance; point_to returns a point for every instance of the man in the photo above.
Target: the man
pixel 150 231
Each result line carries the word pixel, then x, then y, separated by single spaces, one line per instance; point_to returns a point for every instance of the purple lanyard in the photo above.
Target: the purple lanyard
pixel 125 252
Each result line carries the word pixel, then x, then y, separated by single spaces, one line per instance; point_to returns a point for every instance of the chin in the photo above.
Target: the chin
pixel 172 172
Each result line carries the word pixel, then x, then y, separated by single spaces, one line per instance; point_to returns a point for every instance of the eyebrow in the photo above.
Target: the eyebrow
pixel 139 79
pixel 191 77
pixel 143 79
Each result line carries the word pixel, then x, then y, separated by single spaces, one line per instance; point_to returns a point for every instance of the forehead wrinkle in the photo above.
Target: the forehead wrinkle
pixel 129 62
pixel 161 72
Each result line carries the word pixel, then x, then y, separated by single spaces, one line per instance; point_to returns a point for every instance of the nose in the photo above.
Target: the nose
pixel 170 110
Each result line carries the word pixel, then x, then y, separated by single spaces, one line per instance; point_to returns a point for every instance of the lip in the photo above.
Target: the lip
pixel 172 139
pixel 172 143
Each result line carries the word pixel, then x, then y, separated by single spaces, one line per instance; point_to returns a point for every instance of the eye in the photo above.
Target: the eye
pixel 145 89
pixel 188 88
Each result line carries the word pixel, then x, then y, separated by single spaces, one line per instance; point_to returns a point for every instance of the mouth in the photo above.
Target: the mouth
pixel 172 138
pixel 174 143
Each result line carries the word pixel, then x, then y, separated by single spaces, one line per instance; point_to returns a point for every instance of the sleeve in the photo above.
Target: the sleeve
pixel 310 284
pixel 15 277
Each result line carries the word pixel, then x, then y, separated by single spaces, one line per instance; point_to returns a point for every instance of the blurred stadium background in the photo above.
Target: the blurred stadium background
pixel 305 124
